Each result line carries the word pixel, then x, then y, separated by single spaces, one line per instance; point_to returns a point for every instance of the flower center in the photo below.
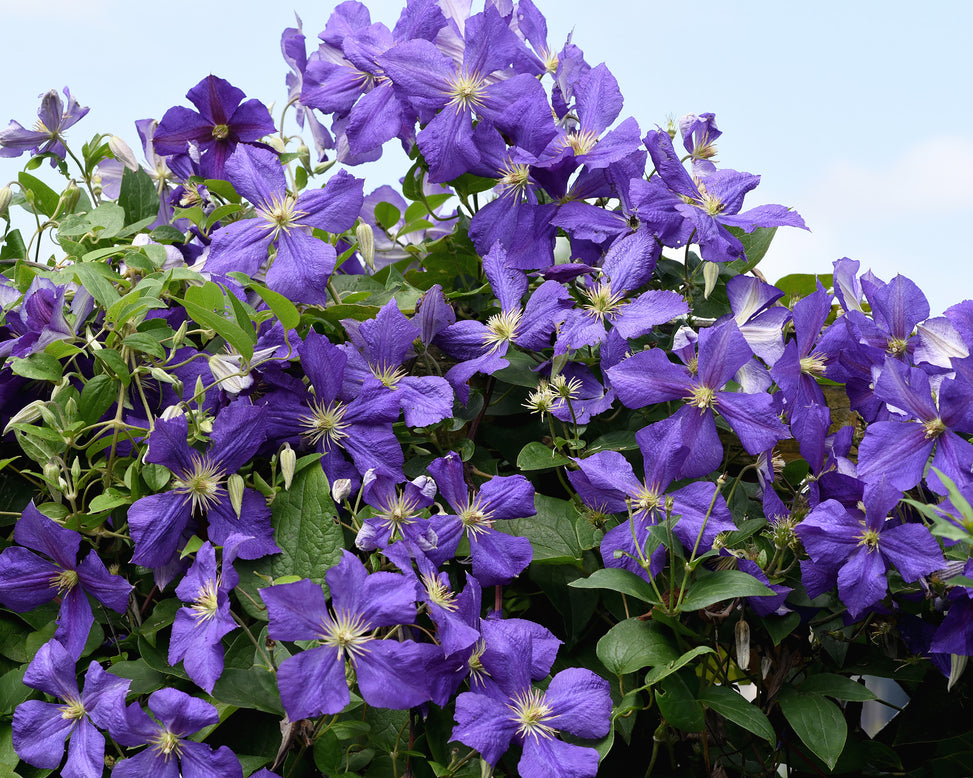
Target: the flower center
pixel 514 177
pixel 280 214
pixel 438 592
pixel 813 365
pixel 702 397
pixel 167 744
pixel 398 512
pixel 581 141
pixel 646 499
pixel 896 346
pixel 502 328
pixel 389 375
pixel 709 203
pixel 465 90
pixel 207 603
pixel 202 483
pixel 604 303
pixel 530 711
pixel 475 517
pixel 347 632
pixel 869 539
pixel 934 428
pixel 221 131
pixel 64 581
pixel 72 709
pixel 324 425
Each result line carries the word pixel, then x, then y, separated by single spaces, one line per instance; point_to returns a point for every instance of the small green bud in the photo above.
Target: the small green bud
pixel 76 469
pixel 235 485
pixel 68 200
pixel 52 472
pixel 180 336
pixel 304 154
pixel 288 462
pixel 366 244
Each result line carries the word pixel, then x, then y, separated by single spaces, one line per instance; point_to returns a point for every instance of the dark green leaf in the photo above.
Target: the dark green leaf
pixel 166 233
pixel 230 331
pixel 837 686
pixel 14 246
pixel 13 690
pixel 97 397
pixel 659 672
pixel 779 627
pixel 818 722
pixel 755 245
pixel 96 278
pixel 114 362
pixel 255 688
pixel 144 679
pixel 305 528
pixel 734 707
pixel 537 456
pixel 719 586
pixel 139 341
pixel 618 580
pixel 329 754
pixel 552 532
pixel 138 196
pixel 387 215
pixel 633 644
pixel 678 706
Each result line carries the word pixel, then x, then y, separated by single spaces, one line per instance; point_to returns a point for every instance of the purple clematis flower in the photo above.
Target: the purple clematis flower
pixel 28 580
pixel 222 122
pixel 855 548
pixel 170 752
pixel 497 557
pixel 390 673
pixel 199 629
pixel 46 137
pixel 158 522
pixel 577 701
pixel 303 264
pixel 40 729
pixel 713 203
pixel 649 377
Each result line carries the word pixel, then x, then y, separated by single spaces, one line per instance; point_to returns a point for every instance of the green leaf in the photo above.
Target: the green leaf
pixel 112 498
pixel 719 586
pixel 659 672
pixel 97 279
pixel 755 245
pixel 13 690
pixel 144 679
pixel 798 285
pixel 97 397
pixel 285 311
pixel 305 528
pixel 166 233
pixel 387 215
pixel 13 246
pixel 107 220
pixel 552 533
pixel 37 367
pixel 837 686
pixel 45 198
pixel 138 196
pixel 618 580
pixel 734 707
pixel 114 362
pixel 779 627
pixel 329 755
pixel 678 706
pixel 140 341
pixel 818 722
pixel 255 688
pixel 536 456
pixel 633 644
pixel 230 331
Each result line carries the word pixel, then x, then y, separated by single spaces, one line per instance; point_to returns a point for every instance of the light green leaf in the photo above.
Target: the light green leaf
pixel 659 672
pixel 537 456
pixel 618 580
pixel 283 309
pixel 230 331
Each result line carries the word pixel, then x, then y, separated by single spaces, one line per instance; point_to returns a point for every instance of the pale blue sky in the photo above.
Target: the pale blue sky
pixel 857 114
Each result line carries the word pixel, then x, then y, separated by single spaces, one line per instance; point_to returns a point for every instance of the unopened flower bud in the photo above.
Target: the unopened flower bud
pixel 180 335
pixel 957 664
pixel 288 461
pixel 711 272
pixel 741 640
pixel 26 415
pixel 68 200
pixel 76 469
pixel 172 412
pixel 304 154
pixel 123 152
pixel 6 195
pixel 765 664
pixel 163 375
pixel 340 490
pixel 276 143
pixel 234 486
pixel 52 472
pixel 366 244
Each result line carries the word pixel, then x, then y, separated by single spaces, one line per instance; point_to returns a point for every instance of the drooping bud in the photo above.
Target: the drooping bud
pixel 711 272
pixel 957 664
pixel 235 486
pixel 277 143
pixel 26 415
pixel 741 641
pixel 765 664
pixel 123 152
pixel 366 244
pixel 304 154
pixel 6 195
pixel 340 490
pixel 288 462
